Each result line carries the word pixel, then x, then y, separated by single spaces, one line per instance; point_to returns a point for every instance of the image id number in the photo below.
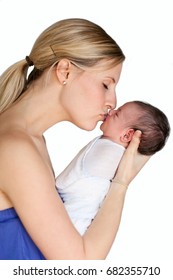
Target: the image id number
pixel 145 270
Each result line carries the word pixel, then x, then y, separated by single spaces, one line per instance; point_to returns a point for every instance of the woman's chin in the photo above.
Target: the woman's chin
pixel 89 126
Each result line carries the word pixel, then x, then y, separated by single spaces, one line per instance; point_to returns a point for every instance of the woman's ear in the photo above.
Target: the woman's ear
pixel 62 70
pixel 127 135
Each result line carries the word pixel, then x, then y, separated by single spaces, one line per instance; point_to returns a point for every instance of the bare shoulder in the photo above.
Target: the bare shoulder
pixel 15 145
pixel 13 142
pixel 25 174
pixel 20 156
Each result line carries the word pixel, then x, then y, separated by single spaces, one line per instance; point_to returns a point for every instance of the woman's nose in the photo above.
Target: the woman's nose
pixel 112 104
pixel 113 100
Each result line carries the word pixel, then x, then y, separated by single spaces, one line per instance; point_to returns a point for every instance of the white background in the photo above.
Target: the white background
pixel 144 30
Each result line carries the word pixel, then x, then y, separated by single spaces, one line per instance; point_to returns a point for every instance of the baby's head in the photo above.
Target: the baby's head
pixel 121 124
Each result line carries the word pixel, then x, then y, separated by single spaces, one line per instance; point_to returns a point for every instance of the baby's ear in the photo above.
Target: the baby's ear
pixel 127 135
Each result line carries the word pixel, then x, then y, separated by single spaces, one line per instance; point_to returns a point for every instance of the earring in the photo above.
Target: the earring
pixel 64 82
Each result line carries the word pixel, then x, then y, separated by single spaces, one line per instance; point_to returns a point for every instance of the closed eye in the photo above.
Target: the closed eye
pixel 105 86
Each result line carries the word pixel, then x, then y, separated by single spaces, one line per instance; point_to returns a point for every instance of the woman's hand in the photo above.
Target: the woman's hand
pixel 132 162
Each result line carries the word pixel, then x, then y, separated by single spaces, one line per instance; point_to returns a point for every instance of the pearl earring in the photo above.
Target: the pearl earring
pixel 64 82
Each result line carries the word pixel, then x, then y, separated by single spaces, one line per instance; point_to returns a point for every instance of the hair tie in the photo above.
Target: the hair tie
pixel 29 61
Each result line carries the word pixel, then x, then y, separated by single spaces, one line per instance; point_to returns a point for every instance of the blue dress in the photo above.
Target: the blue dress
pixel 15 242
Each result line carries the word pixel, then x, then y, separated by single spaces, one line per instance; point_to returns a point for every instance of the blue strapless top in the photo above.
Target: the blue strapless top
pixel 15 243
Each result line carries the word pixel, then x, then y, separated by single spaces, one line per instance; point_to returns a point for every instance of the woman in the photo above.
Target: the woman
pixel 77 66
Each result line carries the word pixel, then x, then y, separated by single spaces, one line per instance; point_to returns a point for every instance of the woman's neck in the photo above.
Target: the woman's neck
pixel 35 112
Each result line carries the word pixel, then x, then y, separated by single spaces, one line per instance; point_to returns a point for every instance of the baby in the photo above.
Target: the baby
pixel 85 182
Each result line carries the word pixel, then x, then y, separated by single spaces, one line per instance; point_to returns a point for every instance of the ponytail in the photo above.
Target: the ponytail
pixel 12 84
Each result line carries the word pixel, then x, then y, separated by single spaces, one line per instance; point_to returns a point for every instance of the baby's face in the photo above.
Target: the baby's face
pixel 118 121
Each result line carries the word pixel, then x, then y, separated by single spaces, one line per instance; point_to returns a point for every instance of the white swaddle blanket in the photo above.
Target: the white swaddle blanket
pixel 85 182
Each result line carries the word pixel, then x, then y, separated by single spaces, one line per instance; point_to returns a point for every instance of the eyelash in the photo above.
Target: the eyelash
pixel 105 86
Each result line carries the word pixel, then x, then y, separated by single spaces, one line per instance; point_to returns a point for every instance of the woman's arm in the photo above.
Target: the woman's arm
pixel 105 226
pixel 30 186
pixel 132 161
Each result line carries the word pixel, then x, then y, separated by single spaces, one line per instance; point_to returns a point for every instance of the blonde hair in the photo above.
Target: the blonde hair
pixel 81 41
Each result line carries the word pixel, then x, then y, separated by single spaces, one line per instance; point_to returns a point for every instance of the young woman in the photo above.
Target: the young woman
pixel 76 67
